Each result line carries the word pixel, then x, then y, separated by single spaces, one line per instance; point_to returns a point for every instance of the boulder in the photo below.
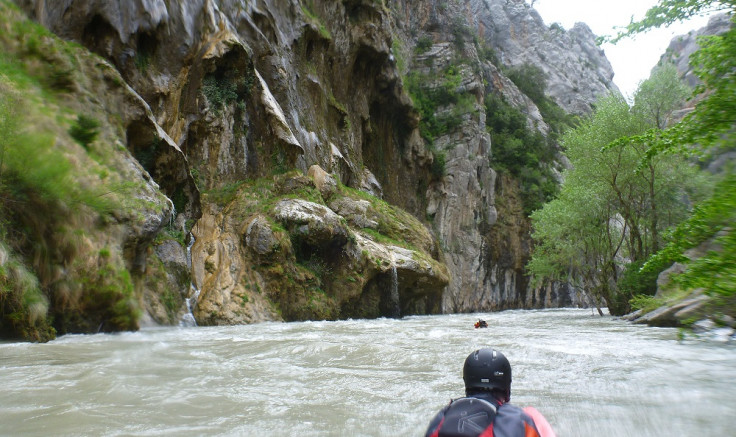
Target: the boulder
pixel 259 237
pixel 325 182
pixel 315 224
pixel 673 315
pixel 357 212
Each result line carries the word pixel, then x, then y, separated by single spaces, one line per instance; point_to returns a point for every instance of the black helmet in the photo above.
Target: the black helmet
pixel 487 369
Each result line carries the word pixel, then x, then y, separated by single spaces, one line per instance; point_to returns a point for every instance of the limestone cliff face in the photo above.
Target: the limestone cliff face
pixel 478 218
pixel 79 212
pixel 248 90
pixel 681 47
pixel 678 53
pixel 577 70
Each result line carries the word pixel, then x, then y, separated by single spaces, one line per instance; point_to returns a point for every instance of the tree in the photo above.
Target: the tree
pixel 661 95
pixel 610 211
pixel 569 247
pixel 710 129
pixel 667 12
pixel 711 124
pixel 656 99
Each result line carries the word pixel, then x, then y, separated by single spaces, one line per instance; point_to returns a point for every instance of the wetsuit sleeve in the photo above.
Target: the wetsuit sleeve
pixel 511 421
pixel 434 424
pixel 545 429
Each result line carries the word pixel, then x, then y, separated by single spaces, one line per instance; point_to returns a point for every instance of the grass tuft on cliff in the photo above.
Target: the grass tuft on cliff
pixel 61 188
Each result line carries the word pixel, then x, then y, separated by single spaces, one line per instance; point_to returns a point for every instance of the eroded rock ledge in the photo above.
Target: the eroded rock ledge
pixel 293 247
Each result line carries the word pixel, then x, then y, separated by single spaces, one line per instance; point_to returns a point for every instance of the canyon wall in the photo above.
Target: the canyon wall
pixel 292 138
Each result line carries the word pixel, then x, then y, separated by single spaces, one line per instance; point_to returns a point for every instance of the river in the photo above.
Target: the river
pixel 589 375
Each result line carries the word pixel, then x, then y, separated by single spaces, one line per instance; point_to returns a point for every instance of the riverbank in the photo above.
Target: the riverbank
pixel 697 313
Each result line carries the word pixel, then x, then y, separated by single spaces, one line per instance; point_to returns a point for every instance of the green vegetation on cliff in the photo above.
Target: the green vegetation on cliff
pixel 523 152
pixel 441 107
pixel 60 191
pixel 531 81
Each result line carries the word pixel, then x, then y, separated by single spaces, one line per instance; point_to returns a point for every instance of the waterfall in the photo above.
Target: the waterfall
pixel 172 217
pixel 189 251
pixel 395 304
pixel 188 319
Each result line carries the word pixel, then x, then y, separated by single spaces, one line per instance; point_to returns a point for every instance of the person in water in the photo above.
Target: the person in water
pixel 485 410
pixel 481 324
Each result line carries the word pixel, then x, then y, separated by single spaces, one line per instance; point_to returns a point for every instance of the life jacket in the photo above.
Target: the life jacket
pixel 477 417
pixel 467 417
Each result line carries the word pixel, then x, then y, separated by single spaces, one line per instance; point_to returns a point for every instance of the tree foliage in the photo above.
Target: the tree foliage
pixel 659 96
pixel 610 210
pixel 667 12
pixel 522 151
pixel 533 83
pixel 716 270
pixel 518 147
pixel 708 130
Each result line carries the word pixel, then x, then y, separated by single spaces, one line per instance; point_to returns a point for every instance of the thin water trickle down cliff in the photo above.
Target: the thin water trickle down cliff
pixel 391 99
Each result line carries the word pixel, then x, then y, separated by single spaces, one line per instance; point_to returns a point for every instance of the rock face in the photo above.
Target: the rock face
pixel 577 70
pixel 681 47
pixel 480 222
pixel 241 92
pixel 88 213
pixel 271 256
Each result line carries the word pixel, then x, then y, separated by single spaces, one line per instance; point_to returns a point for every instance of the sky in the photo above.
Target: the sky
pixel 632 59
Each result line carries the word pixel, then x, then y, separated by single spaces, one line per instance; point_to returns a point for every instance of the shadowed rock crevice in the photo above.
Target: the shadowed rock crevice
pixel 100 37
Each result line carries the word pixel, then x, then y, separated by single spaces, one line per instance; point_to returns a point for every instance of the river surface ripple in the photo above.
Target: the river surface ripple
pixel 589 375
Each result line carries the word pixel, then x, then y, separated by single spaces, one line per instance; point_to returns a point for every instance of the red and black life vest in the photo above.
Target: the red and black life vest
pixel 481 418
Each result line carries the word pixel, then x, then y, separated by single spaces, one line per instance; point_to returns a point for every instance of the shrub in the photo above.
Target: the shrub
pixel 23 307
pixel 85 130
pixel 222 89
pixel 423 44
pixel 556 27
pixel 645 303
pixel 219 91
pixel 438 165
pixel 531 80
pixel 107 302
pixel 488 53
pixel 460 30
pixel 636 285
pixel 428 100
pixel 225 194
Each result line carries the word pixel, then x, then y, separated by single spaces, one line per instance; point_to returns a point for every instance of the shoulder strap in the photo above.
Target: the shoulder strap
pixel 468 417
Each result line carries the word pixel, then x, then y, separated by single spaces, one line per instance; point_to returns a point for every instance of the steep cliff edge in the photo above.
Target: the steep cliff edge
pixel 393 100
pixel 79 213
pixel 473 48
